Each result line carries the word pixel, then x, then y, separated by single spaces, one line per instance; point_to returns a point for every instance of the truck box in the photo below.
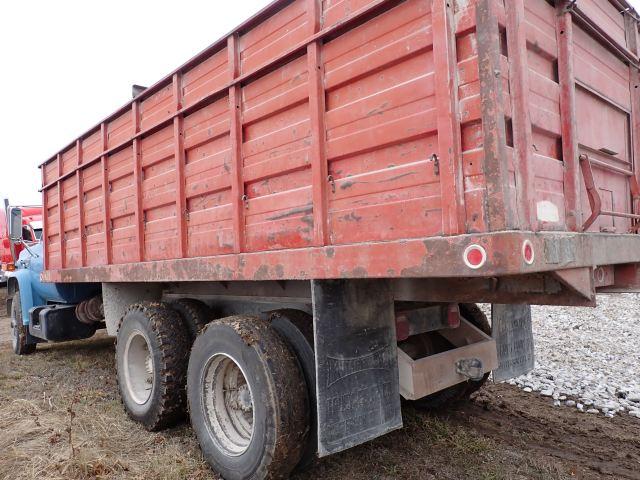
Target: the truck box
pixel 366 138
pixel 341 181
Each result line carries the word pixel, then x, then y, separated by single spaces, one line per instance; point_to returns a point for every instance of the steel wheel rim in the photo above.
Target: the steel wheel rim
pixel 15 333
pixel 138 367
pixel 228 405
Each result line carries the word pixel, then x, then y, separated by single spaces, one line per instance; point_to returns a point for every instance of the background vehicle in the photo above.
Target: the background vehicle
pixel 296 223
pixel 32 232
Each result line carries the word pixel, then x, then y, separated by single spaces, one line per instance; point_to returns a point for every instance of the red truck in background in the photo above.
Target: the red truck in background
pixel 31 233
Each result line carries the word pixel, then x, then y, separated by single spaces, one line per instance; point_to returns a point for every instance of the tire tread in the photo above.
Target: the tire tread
pixel 166 326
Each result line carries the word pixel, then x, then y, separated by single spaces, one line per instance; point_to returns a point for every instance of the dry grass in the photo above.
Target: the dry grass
pixel 81 442
pixel 61 418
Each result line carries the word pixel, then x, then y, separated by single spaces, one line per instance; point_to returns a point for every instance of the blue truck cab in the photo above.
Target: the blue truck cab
pixel 46 312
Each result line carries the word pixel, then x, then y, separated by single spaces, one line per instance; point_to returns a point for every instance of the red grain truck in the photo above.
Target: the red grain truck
pixel 320 198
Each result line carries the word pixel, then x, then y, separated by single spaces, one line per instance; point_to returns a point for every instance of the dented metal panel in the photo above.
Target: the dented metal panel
pixel 318 125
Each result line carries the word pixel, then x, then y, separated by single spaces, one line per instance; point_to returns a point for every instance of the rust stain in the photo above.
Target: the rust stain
pixel 398 177
pixel 308 219
pixel 378 110
pixel 295 211
pixel 352 217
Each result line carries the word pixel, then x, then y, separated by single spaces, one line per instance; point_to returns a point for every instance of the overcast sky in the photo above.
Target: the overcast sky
pixel 67 64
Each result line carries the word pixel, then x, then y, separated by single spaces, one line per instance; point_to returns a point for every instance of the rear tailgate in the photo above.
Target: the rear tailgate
pixel 604 118
pixel 582 101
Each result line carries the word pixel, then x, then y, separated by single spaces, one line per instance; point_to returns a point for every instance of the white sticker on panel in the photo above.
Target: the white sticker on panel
pixel 548 212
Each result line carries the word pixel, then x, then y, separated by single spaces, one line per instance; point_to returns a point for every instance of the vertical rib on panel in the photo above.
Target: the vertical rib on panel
pixel 500 215
pixel 446 88
pixel 179 154
pixel 522 141
pixel 45 217
pixel 564 30
pixel 81 223
pixel 105 195
pixel 137 179
pixel 237 184
pixel 632 43
pixel 635 123
pixel 61 214
pixel 319 169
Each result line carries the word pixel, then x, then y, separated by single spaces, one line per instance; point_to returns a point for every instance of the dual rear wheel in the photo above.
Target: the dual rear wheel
pixel 243 384
pixel 247 400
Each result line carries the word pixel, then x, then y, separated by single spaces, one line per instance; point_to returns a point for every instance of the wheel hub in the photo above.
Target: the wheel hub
pixel 228 405
pixel 138 367
pixel 245 403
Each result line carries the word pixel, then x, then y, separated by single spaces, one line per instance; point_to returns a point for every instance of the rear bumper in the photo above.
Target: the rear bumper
pixel 433 257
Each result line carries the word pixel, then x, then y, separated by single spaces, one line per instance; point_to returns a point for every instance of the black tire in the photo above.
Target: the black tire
pixel 194 313
pixel 278 405
pixel 167 343
pixel 296 327
pixel 461 391
pixel 19 332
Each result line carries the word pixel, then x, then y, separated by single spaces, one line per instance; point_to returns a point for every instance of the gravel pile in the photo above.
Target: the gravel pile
pixel 588 358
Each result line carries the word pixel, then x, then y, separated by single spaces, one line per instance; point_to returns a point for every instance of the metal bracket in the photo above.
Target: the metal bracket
pixel 471 368
pixel 595 202
pixel 436 164
pixel 570 6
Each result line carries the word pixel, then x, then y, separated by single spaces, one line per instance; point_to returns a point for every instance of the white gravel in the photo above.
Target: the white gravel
pixel 588 358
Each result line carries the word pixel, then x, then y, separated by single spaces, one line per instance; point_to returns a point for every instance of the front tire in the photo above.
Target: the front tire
pixel 19 333
pixel 152 351
pixel 247 400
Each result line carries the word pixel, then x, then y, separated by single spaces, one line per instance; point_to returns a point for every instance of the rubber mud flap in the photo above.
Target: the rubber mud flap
pixel 513 333
pixel 358 393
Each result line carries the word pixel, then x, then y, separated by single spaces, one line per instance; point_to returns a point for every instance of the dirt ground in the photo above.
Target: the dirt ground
pixel 60 418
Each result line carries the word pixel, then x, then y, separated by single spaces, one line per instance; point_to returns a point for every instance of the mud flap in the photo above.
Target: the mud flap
pixel 357 385
pixel 513 333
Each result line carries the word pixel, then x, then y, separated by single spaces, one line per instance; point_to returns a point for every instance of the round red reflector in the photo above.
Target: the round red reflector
pixel 475 256
pixel 527 252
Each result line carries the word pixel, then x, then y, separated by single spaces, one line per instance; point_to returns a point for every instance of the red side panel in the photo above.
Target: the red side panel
pixel 93 207
pixel 122 200
pixel 277 159
pixel 52 232
pixel 381 123
pixel 208 180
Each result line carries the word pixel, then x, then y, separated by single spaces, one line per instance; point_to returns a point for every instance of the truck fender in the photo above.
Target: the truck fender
pixel 19 280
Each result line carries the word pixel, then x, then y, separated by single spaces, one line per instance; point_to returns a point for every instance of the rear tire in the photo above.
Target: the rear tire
pixel 436 344
pixel 194 313
pixel 247 400
pixel 296 327
pixel 19 332
pixel 152 351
